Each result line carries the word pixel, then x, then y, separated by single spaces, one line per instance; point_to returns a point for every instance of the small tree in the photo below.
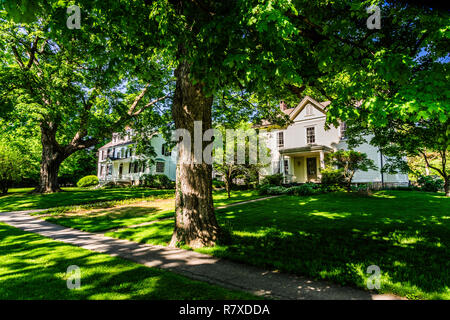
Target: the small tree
pixel 231 170
pixel 10 166
pixel 349 162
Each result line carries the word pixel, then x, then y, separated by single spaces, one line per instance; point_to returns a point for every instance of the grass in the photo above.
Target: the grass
pixel 22 199
pixel 121 213
pixel 336 237
pixel 34 267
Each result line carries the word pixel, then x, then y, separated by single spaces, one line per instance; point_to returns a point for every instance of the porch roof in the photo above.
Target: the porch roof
pixel 306 149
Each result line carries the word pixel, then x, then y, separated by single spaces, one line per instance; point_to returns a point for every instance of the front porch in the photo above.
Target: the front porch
pixel 303 164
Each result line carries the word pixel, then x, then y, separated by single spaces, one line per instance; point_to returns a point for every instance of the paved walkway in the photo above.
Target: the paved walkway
pixel 192 264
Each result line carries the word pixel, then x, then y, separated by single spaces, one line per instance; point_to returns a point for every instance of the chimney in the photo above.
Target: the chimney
pixel 283 105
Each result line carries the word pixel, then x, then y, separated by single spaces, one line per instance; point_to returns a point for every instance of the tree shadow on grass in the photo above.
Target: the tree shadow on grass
pixel 35 268
pixel 339 236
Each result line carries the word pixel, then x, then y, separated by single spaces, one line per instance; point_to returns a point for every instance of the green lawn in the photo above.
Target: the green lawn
pixel 22 199
pixel 337 236
pixel 101 219
pixel 34 267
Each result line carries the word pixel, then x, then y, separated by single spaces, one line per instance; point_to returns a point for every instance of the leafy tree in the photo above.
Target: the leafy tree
pixel 11 166
pixel 349 161
pixel 78 165
pixel 71 88
pixel 226 156
pixel 273 50
pixel 429 139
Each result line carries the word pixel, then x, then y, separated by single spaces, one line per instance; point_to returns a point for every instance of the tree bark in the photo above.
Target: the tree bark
pixel 52 157
pixel 195 221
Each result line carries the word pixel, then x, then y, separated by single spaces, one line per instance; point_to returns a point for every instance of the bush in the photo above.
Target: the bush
pixel 306 189
pixel 160 181
pixel 87 181
pixel 273 179
pixel 430 183
pixel 217 184
pixel 332 177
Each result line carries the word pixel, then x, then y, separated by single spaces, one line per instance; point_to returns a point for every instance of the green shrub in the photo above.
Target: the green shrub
pixel 306 189
pixel 273 179
pixel 87 181
pixel 160 181
pixel 217 184
pixel 430 183
pixel 332 177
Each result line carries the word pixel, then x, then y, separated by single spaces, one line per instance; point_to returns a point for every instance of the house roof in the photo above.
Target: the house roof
pixel 293 112
pixel 114 144
pixel 305 101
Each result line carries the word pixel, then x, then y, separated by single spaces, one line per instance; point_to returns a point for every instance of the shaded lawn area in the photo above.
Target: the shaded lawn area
pixel 21 199
pixel 96 220
pixel 336 236
pixel 34 267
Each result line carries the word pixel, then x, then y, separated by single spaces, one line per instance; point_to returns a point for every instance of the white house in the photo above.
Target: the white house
pixel 298 151
pixel 118 162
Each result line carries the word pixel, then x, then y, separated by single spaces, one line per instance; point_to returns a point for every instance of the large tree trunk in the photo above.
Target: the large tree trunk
pixel 51 160
pixel 195 221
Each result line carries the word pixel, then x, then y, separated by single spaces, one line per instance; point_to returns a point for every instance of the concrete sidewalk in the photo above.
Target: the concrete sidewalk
pixel 192 264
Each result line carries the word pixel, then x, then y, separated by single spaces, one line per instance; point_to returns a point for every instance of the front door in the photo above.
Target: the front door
pixel 120 170
pixel 311 168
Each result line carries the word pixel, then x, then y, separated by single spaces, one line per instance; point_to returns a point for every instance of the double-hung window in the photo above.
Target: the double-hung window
pixel 310 135
pixel 281 139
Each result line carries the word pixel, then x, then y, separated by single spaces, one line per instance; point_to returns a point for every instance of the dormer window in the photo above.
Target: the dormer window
pixel 310 135
pixel 281 139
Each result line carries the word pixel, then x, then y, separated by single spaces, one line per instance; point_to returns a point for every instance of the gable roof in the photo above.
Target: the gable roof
pixel 305 101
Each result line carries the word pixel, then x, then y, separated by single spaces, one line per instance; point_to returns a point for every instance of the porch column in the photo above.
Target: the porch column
pixel 322 159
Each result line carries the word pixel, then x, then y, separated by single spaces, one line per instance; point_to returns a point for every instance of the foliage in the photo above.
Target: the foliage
pixel 273 179
pixel 301 190
pixel 228 152
pixel 332 177
pixel 218 184
pixel 349 161
pixel 160 181
pixel 430 183
pixel 11 166
pixel 88 181
pixel 78 165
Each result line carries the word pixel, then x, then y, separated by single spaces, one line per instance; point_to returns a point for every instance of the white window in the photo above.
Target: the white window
pixel 286 166
pixel 165 150
pixel 281 139
pixel 310 135
pixel 159 167
pixel 343 128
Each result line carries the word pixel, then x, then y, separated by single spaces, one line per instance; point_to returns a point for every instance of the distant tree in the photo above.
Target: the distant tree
pixel 229 166
pixel 11 166
pixel 428 139
pixel 349 162
pixel 74 89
